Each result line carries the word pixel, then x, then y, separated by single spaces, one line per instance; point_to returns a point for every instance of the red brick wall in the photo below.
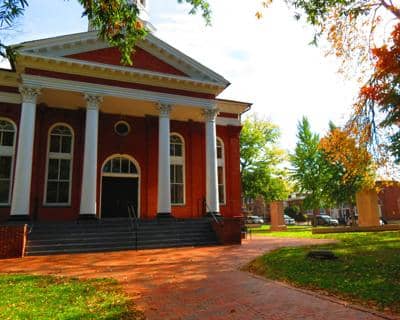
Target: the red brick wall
pixel 142 145
pixel 389 198
pixel 229 231
pixel 141 60
pixel 12 241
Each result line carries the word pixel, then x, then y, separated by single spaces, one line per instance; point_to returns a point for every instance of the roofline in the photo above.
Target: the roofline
pixel 151 38
pixel 139 72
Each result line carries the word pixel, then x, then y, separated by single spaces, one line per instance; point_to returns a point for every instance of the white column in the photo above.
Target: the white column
pixel 212 199
pixel 23 168
pixel 164 182
pixel 89 178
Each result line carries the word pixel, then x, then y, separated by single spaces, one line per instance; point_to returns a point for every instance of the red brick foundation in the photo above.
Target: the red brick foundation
pixel 229 230
pixel 12 241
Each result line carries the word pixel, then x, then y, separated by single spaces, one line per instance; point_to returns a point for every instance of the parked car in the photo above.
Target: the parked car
pixel 325 220
pixel 254 219
pixel 289 220
pixel 382 221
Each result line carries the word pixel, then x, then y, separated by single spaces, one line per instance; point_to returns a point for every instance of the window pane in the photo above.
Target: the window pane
pixel 55 143
pixel 172 173
pixel 8 139
pixel 179 174
pixel 51 192
pixel 53 169
pixel 221 194
pixel 107 167
pixel 172 150
pixel 219 153
pixel 132 167
pixel 220 175
pixel 5 167
pixel 63 192
pixel 179 193
pixel 4 191
pixel 125 166
pixel 64 169
pixel 178 150
pixel 173 197
pixel 66 142
pixel 116 165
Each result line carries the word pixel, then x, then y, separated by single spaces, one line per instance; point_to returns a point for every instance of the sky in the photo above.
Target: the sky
pixel 268 61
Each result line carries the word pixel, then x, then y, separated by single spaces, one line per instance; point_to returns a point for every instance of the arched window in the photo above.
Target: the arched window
pixel 59 165
pixel 119 166
pixel 221 170
pixel 7 148
pixel 177 154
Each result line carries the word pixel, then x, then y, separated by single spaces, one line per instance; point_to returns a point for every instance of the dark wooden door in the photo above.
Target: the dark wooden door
pixel 116 194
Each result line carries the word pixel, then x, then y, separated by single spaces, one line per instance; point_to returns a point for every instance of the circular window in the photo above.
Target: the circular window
pixel 122 128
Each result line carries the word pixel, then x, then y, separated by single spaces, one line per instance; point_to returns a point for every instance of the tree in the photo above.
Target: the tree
pixel 350 166
pixel 357 33
pixel 381 97
pixel 308 167
pixel 117 21
pixel 260 160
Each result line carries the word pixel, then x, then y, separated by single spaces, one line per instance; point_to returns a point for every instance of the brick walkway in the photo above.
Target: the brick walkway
pixel 196 283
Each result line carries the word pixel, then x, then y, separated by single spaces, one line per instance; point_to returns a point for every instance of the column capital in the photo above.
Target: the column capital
pixel 210 114
pixel 93 101
pixel 29 94
pixel 164 109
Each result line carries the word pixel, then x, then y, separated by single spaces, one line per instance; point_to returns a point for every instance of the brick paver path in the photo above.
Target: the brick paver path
pixel 196 283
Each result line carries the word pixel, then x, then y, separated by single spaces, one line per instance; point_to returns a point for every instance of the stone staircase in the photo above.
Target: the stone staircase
pixel 118 234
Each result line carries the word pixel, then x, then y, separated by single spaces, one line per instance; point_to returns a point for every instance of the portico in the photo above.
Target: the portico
pixel 91 137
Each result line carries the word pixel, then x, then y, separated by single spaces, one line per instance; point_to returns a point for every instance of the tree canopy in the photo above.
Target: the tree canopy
pixel 117 21
pixel 261 160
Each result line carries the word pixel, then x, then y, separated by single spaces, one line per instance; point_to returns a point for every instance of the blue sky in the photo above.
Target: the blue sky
pixel 268 61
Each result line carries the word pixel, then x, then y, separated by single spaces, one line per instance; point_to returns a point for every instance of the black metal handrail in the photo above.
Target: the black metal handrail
pixel 133 218
pixel 212 213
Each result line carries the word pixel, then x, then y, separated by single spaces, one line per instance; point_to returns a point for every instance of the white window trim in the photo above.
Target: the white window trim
pixel 180 161
pixel 221 163
pixel 121 175
pixel 9 151
pixel 61 156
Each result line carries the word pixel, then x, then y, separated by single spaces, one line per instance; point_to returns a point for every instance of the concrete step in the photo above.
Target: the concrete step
pixel 117 234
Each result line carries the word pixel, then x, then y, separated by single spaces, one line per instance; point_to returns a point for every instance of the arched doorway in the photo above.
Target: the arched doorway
pixel 120 186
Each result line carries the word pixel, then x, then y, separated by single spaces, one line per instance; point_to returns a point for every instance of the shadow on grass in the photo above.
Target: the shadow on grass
pixel 366 272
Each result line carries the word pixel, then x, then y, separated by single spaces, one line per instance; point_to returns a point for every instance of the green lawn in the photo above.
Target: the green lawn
pixel 367 271
pixel 48 297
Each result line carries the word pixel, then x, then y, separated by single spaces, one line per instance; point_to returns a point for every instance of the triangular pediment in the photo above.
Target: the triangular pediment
pixel 141 60
pixel 152 54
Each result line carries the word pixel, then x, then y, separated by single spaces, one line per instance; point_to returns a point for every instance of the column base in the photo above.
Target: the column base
pixel 19 218
pixel 164 215
pixel 278 228
pixel 89 217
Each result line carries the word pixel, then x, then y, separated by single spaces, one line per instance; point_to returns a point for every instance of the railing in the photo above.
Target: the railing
pixel 218 221
pixel 133 218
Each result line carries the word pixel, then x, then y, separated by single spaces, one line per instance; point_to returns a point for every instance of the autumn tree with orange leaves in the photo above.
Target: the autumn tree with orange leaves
pixel 350 166
pixel 377 112
pixel 359 34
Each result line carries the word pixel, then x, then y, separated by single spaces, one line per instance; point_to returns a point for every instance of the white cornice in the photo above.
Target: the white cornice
pixel 221 121
pixel 86 41
pixel 104 90
pixel 8 97
pixel 125 70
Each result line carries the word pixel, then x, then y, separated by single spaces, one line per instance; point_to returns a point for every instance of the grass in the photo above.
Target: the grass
pixel 48 297
pixel 367 271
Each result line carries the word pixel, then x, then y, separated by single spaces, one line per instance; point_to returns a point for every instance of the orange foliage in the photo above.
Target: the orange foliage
pixel 341 149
